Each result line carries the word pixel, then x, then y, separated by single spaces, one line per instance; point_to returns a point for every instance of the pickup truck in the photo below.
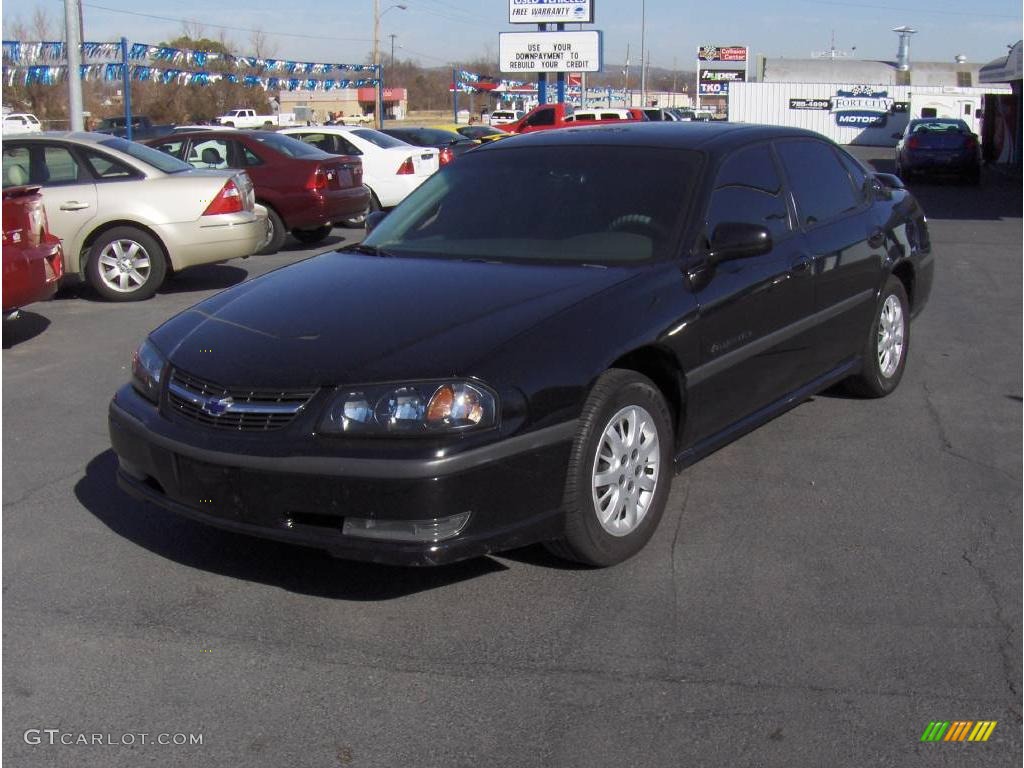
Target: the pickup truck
pixel 247 118
pixel 547 116
pixel 142 128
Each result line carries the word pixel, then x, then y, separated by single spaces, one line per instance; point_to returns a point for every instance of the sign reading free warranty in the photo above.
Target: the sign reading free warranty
pixel 543 11
pixel 549 51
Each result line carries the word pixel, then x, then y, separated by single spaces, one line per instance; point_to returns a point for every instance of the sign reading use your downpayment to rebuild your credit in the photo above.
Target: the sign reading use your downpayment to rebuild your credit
pixel 549 51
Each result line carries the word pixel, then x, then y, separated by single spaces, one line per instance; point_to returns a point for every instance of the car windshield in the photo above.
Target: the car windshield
pixel 379 139
pixel 290 147
pixel 154 157
pixel 578 204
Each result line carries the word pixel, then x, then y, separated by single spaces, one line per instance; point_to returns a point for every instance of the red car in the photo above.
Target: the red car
pixel 33 259
pixel 305 190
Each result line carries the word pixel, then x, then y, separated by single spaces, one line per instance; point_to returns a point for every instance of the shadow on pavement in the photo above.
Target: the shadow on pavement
pixel 296 569
pixel 26 326
pixel 208 277
pixel 997 197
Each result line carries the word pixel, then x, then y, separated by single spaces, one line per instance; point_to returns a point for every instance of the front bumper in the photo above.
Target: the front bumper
pixel 512 488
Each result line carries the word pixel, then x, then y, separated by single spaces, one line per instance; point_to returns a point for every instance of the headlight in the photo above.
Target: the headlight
pixel 147 367
pixel 420 408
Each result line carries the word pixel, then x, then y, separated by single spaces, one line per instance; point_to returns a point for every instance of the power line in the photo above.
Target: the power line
pixel 224 26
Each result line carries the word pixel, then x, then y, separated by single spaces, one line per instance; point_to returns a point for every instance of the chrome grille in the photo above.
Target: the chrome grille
pixel 235 408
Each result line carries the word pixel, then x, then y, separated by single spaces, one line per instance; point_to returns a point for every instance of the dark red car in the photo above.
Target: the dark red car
pixel 33 259
pixel 305 190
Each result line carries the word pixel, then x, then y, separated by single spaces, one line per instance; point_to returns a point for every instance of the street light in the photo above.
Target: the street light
pixel 377 13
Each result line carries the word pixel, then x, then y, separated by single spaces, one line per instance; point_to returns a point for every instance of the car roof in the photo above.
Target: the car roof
pixel 709 137
pixel 78 137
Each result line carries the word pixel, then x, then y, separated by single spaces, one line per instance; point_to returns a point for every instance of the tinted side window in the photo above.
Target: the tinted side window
pixel 544 117
pixel 857 173
pixel 820 184
pixel 748 189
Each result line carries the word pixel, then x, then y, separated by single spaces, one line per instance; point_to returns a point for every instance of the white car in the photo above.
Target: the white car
pixel 128 214
pixel 21 122
pixel 506 116
pixel 391 168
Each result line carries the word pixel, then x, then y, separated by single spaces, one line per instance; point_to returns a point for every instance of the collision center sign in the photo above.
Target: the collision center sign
pixel 549 51
pixel 543 11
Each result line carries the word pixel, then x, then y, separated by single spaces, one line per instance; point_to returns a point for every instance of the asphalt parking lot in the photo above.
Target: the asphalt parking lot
pixel 817 593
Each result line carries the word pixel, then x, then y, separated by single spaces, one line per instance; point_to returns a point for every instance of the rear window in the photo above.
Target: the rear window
pixel 290 147
pixel 626 206
pixel 159 160
pixel 377 138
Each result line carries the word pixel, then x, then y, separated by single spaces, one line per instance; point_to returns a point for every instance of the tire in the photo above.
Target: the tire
pixel 229 124
pixel 312 236
pixel 887 345
pixel 126 264
pixel 354 222
pixel 599 527
pixel 277 233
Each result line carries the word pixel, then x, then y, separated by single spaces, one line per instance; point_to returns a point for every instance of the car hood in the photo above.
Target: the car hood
pixel 344 318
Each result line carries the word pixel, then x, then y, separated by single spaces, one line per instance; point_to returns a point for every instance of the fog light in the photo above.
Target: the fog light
pixel 406 530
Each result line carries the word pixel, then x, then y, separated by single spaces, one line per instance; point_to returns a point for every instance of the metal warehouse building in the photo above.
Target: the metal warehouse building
pixel 859 102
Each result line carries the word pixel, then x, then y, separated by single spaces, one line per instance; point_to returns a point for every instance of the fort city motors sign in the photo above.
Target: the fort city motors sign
pixel 862 106
pixel 550 11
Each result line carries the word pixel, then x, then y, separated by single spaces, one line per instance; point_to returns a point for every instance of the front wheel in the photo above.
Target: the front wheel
pixel 126 264
pixel 620 471
pixel 885 350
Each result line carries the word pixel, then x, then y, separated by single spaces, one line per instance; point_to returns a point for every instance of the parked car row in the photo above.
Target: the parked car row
pixel 127 215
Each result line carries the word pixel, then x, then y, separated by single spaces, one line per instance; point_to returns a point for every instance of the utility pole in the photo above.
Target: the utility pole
pixel 625 76
pixel 72 34
pixel 393 36
pixel 643 54
pixel 377 122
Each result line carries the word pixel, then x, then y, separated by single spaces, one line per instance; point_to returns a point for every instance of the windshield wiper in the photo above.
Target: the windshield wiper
pixel 373 250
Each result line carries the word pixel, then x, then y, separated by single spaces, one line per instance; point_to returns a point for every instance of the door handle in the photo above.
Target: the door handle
pixel 801 263
pixel 876 238
pixel 73 205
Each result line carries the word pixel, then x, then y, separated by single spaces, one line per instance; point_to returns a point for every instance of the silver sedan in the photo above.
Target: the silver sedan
pixel 128 214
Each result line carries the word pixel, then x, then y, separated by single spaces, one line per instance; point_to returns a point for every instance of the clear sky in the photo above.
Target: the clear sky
pixel 439 32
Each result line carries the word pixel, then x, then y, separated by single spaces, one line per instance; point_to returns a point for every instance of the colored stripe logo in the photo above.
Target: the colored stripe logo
pixel 958 730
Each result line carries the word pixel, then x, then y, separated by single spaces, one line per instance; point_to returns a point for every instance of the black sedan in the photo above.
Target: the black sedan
pixel 938 146
pixel 462 383
pixel 450 143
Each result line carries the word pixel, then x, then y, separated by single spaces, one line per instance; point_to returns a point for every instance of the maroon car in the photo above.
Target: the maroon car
pixel 305 190
pixel 32 258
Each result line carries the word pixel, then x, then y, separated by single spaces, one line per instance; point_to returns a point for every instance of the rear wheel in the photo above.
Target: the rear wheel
pixel 126 264
pixel 620 471
pixel 354 222
pixel 275 233
pixel 312 236
pixel 885 350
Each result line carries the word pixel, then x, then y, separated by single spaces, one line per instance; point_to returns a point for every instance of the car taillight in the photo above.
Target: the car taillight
pixel 446 156
pixel 971 143
pixel 406 168
pixel 913 143
pixel 318 180
pixel 228 200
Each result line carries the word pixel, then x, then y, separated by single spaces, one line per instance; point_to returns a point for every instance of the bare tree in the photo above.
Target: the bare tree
pixel 260 46
pixel 42 27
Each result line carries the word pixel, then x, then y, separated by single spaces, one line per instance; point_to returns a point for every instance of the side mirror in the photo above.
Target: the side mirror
pixel 897 135
pixel 374 219
pixel 739 240
pixel 890 180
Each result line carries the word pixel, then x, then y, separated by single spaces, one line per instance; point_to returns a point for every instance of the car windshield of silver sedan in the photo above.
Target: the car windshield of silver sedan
pixel 605 205
pixel 159 160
